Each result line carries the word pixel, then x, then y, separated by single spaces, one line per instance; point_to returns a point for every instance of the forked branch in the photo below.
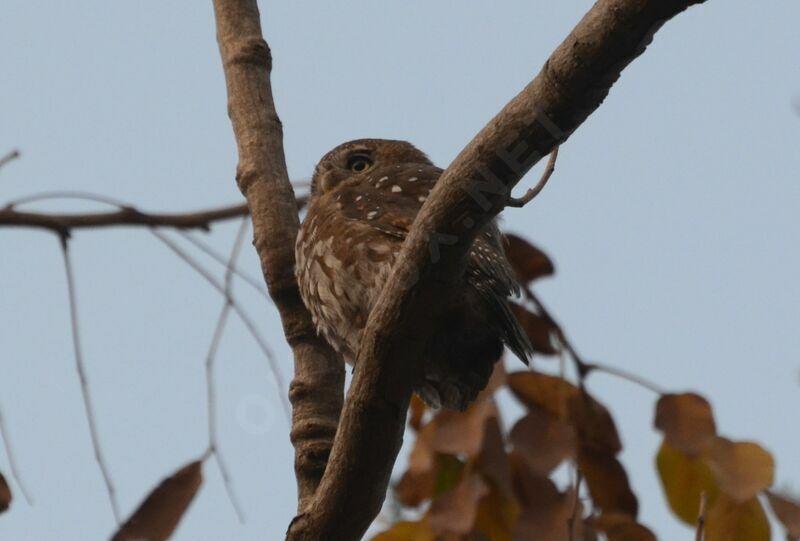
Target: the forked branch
pixel 572 84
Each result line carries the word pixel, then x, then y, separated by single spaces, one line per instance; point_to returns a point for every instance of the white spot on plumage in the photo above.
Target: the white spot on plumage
pixel 371 215
pixel 397 189
pixel 421 198
pixel 359 198
pixel 413 179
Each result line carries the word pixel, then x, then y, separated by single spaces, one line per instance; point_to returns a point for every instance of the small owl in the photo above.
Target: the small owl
pixel 365 195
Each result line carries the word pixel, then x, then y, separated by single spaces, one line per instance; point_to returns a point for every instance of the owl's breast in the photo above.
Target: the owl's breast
pixel 342 265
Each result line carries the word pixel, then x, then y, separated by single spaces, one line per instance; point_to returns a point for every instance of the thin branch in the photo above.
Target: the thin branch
pixel 243 315
pixel 701 518
pixel 519 202
pixel 63 224
pixel 213 436
pixel 213 254
pixel 81 369
pixel 11 156
pixel 624 374
pixel 12 462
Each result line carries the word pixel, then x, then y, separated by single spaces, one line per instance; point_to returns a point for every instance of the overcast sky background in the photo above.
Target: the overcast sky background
pixel 672 219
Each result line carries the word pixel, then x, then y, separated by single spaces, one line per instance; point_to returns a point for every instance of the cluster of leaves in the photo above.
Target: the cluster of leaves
pixel 468 479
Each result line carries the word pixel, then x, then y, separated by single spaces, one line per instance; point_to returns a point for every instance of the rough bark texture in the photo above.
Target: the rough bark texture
pixel 317 388
pixel 571 85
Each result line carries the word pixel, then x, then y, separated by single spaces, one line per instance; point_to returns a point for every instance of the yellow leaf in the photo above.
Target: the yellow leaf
pixel 497 514
pixel 742 469
pixel 729 520
pixel 683 479
pixel 407 531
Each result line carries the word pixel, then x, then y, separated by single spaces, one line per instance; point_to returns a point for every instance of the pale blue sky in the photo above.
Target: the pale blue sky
pixel 672 219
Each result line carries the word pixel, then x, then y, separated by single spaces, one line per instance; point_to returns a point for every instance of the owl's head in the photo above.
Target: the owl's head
pixel 360 157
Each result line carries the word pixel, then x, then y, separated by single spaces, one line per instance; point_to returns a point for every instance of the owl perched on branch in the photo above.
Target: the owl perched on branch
pixel 365 195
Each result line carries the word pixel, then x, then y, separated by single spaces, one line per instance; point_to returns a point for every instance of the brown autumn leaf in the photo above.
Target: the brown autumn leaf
pixel 687 422
pixel 159 514
pixel 5 494
pixel 492 461
pixel 787 510
pixel 561 399
pixel 543 440
pixel 741 469
pixel 528 261
pixel 729 520
pixel 497 514
pixel 415 487
pixel 531 489
pixel 607 481
pixel 551 520
pixel 684 478
pixel 538 329
pixel 454 432
pixel 455 511
pixel 407 531
pixel 622 527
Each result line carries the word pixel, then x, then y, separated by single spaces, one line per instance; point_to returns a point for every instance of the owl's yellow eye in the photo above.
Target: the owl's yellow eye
pixel 359 163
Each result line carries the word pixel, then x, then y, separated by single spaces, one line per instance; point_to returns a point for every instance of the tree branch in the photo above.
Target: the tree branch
pixel 475 187
pixel 317 389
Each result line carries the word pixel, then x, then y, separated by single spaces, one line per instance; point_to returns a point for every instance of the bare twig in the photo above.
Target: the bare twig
pixel 519 202
pixel 701 518
pixel 125 216
pixel 624 374
pixel 10 156
pixel 12 462
pixel 213 436
pixel 237 308
pixel 213 254
pixel 81 369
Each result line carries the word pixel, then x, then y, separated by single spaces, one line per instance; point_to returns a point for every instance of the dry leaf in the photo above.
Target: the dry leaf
pixel 564 401
pixel 492 461
pixel 622 527
pixel 455 432
pixel 687 422
pixel 788 513
pixel 159 514
pixel 532 490
pixel 742 469
pixel 543 440
pixel 684 478
pixel 5 494
pixel 550 521
pixel 497 514
pixel 538 329
pixel 455 510
pixel 407 531
pixel 607 482
pixel 528 261
pixel 728 520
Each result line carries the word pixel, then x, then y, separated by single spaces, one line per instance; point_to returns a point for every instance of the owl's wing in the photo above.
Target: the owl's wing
pixel 388 198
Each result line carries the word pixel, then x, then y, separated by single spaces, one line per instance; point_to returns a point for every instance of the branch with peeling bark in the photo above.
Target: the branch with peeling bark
pixel 475 187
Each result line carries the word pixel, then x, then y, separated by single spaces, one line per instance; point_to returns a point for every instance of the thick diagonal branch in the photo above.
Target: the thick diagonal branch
pixel 571 85
pixel 317 388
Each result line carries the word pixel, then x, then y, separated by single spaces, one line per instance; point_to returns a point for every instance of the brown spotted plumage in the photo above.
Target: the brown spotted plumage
pixel 364 197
